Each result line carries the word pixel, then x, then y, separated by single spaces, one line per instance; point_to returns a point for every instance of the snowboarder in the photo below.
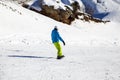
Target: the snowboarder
pixel 55 40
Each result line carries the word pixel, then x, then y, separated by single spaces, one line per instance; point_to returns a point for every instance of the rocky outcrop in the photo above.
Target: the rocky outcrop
pixel 66 16
pixel 57 14
pixel 88 18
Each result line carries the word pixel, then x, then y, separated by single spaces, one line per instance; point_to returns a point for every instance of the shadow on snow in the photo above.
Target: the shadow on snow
pixel 21 56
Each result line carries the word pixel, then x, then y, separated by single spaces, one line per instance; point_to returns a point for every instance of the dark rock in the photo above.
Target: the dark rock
pixel 57 14
pixel 25 5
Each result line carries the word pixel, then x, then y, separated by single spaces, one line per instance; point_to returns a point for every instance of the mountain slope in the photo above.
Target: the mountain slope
pixel 104 9
pixel 26 52
pixel 97 8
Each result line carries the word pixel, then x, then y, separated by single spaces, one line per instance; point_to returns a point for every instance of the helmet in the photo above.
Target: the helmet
pixel 55 28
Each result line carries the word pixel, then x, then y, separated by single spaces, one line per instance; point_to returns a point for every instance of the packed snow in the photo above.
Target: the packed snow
pixel 92 50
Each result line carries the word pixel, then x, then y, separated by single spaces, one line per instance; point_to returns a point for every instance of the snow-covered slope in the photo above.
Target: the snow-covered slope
pixel 104 9
pixel 26 53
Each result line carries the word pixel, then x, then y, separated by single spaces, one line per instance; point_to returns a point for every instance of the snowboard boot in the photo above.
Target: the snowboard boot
pixel 60 57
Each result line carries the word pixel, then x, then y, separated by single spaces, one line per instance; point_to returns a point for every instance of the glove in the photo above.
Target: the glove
pixel 63 43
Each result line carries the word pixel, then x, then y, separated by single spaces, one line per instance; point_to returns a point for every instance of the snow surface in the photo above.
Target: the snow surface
pixel 92 50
